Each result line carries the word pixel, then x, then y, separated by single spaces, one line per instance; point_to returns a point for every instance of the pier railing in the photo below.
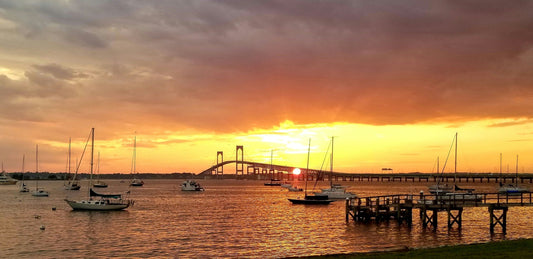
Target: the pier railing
pixel 456 199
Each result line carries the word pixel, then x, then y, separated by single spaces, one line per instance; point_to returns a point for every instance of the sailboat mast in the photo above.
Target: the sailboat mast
pixel 98 165
pixel 307 168
pixel 438 166
pixel 516 170
pixel 23 157
pixel 92 157
pixel 69 153
pixel 133 162
pixel 455 170
pixel 500 167
pixel 37 166
pixel 331 165
pixel 135 154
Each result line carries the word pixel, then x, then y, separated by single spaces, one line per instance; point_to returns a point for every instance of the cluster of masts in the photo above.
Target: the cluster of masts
pixel 95 200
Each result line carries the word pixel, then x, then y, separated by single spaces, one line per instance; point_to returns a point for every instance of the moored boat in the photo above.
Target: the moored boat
pixel 5 179
pixel 295 189
pixel 71 184
pixel 310 199
pixel 100 184
pixel 335 191
pixel 190 185
pixel 38 192
pixel 511 189
pixel 135 181
pixel 98 201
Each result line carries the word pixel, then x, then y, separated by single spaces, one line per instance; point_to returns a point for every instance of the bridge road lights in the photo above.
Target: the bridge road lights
pixel 220 169
pixel 239 166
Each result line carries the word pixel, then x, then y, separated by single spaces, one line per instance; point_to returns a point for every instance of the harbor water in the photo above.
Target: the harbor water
pixel 231 219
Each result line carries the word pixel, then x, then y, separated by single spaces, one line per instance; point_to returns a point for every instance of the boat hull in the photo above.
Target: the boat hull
pixel 512 190
pixel 310 202
pixel 73 187
pixel 99 205
pixel 336 194
pixel 39 193
pixel 272 184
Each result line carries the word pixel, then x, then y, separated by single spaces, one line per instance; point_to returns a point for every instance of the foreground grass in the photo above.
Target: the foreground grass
pixel 522 248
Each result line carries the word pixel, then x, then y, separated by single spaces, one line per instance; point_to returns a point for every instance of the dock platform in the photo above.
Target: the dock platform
pixel 400 207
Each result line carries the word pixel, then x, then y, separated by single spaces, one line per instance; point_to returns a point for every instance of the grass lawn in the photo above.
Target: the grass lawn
pixel 522 248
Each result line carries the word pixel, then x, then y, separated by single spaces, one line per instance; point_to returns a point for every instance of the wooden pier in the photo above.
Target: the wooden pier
pixel 400 207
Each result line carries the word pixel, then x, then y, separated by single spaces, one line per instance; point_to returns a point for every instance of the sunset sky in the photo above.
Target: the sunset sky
pixel 393 81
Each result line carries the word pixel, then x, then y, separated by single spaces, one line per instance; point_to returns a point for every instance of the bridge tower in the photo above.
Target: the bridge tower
pixel 220 169
pixel 239 166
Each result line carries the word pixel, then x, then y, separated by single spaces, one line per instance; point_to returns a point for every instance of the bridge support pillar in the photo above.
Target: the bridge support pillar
pixel 220 159
pixel 239 164
pixel 498 220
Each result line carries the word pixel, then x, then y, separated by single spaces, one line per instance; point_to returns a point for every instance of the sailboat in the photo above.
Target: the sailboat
pixel 443 188
pixel 99 184
pixel 72 184
pixel 5 179
pixel 273 181
pixel 98 201
pixel 335 191
pixel 23 187
pixel 511 189
pixel 310 199
pixel 39 192
pixel 135 181
pixel 447 193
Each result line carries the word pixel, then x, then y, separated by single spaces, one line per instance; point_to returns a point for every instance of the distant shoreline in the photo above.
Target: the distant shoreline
pixel 520 248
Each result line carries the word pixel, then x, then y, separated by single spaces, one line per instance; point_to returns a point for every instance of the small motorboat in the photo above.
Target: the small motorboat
pixel 190 185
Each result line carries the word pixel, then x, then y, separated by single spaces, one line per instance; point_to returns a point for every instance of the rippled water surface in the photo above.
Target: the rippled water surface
pixel 231 219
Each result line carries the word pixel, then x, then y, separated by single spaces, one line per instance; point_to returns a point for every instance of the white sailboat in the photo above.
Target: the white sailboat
pixel 72 184
pixel 99 183
pixel 273 181
pixel 444 188
pixel 135 181
pixel 23 187
pixel 449 193
pixel 511 189
pixel 335 191
pixel 97 201
pixel 39 192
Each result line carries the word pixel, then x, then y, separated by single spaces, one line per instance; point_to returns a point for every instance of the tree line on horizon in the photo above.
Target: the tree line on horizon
pixel 65 176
